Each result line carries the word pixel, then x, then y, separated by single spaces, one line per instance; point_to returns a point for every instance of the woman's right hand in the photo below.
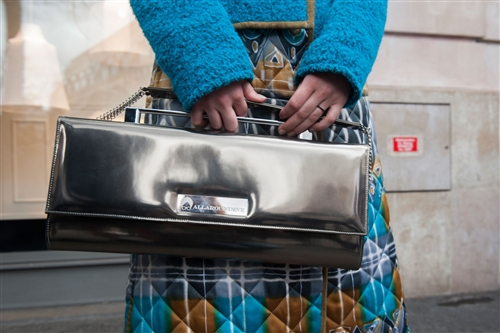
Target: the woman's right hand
pixel 223 105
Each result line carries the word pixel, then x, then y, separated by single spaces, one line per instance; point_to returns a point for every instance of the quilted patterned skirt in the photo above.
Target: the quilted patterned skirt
pixel 174 294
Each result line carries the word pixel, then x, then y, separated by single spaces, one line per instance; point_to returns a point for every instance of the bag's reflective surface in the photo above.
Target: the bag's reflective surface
pixel 121 187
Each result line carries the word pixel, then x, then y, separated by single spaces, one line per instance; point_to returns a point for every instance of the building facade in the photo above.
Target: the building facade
pixel 435 96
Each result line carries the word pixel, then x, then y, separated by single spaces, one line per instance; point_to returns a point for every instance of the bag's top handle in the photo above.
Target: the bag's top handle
pixel 169 94
pixel 133 115
pixel 155 92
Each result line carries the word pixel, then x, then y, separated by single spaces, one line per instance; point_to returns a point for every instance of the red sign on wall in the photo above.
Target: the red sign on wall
pixel 405 144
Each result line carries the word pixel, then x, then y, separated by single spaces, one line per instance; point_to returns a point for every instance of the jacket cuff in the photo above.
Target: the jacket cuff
pixel 188 95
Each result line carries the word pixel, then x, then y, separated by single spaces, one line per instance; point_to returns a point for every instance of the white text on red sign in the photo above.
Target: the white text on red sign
pixel 405 144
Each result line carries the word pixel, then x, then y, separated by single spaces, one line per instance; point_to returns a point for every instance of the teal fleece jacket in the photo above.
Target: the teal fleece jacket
pixel 197 46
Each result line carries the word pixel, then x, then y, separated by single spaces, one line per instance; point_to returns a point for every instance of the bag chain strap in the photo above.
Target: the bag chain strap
pixel 368 132
pixel 115 112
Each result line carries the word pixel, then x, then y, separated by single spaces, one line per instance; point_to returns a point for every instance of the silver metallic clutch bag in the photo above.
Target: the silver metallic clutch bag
pixel 135 188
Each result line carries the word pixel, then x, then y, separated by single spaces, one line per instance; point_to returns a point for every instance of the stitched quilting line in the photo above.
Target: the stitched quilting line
pixel 159 299
pixel 215 223
pixel 142 321
pixel 387 291
pixel 308 310
pixel 183 320
pixel 266 270
pixel 383 255
pixel 248 294
pixel 357 303
pixel 272 312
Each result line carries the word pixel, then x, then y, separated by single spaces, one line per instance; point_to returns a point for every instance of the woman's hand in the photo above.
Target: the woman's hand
pixel 326 90
pixel 224 104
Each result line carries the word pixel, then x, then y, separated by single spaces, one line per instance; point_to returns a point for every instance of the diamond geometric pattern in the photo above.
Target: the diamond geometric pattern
pixel 275 55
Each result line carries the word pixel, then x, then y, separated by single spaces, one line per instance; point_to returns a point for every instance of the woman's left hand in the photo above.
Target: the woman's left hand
pixel 326 90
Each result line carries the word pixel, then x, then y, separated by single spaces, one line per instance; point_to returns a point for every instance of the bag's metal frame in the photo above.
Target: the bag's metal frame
pixel 133 114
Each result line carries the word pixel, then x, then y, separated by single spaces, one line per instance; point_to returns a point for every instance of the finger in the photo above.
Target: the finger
pixel 240 107
pixel 306 124
pixel 197 116
pixel 214 118
pixel 251 94
pixel 301 119
pixel 332 115
pixel 229 119
pixel 298 99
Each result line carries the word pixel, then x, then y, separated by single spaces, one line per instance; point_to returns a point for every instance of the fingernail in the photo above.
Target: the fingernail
pixel 262 96
pixel 281 132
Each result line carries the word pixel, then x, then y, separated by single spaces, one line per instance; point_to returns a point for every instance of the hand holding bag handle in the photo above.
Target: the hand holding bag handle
pixel 134 114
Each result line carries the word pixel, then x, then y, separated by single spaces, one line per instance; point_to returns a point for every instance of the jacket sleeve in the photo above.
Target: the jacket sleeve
pixel 195 45
pixel 347 38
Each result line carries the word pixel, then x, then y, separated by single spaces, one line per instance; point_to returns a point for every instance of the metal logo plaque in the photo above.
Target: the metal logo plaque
pixel 199 204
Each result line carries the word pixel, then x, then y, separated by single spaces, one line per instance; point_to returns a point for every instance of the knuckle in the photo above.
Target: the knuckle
pixel 320 126
pixel 241 110
pixel 240 101
pixel 293 104
pixel 331 118
pixel 316 115
pixel 228 115
pixel 224 99
pixel 210 112
pixel 236 94
pixel 324 93
pixel 302 114
pixel 333 114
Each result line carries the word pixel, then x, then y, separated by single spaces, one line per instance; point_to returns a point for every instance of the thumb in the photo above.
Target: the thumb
pixel 251 94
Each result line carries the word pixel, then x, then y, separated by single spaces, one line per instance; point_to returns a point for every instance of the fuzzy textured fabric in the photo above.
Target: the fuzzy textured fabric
pixel 265 10
pixel 347 38
pixel 200 51
pixel 195 45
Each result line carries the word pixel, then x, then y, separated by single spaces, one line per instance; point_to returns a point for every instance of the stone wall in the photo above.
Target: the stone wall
pixel 447 53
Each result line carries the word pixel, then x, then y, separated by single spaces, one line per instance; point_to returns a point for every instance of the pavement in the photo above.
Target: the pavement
pixel 478 313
